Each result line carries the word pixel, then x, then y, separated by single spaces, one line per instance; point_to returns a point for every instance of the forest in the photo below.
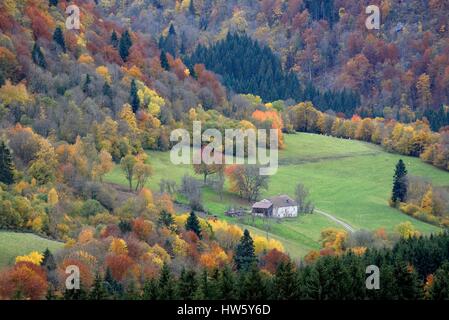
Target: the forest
pixel 79 105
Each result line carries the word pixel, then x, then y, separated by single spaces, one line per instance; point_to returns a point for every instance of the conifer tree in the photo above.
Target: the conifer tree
pixel 98 291
pixel 58 37
pixel 166 285
pixel 192 10
pixel 86 84
pixel 124 45
pixel 114 39
pixel 38 56
pixel 226 284
pixel 245 255
pixel 164 61
pixel 6 165
pixel 285 282
pixel 400 183
pixel 150 290
pixel 193 224
pixel 133 97
pixel 440 286
pixel 187 285
pixel 166 219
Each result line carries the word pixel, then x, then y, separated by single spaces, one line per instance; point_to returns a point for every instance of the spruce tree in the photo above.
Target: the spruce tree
pixel 407 283
pixel 48 262
pixel 192 10
pixel 58 37
pixel 114 39
pixel 309 284
pixel 86 84
pixel 285 282
pixel 164 61
pixel 187 285
pixel 6 165
pixel 251 285
pixel 98 291
pixel 150 290
pixel 166 285
pixel 38 56
pixel 166 219
pixel 107 91
pixel 400 183
pixel 440 286
pixel 193 224
pixel 124 45
pixel 245 255
pixel 112 286
pixel 226 284
pixel 133 97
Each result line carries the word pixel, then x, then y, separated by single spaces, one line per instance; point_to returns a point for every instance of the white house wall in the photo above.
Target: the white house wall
pixel 285 212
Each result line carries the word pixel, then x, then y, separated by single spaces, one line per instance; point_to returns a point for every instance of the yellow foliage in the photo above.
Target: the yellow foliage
pixel 157 255
pixel 86 235
pixel 261 244
pixel 333 239
pixel 37 224
pixel 118 246
pixel 181 219
pixel 104 72
pixel 427 202
pixel 179 247
pixel 147 195
pixel 34 257
pixel 407 230
pixel 85 58
pixel 358 250
pixel 53 197
pixel 128 115
pixel 150 99
pixel 10 93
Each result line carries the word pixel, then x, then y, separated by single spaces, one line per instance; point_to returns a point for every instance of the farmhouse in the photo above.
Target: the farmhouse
pixel 276 207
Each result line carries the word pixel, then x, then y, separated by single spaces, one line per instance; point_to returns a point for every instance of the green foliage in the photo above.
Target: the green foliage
pixel 400 183
pixel 244 256
pixel 114 39
pixel 193 224
pixel 124 45
pixel 58 37
pixel 133 97
pixel 38 56
pixel 164 61
pixel 6 165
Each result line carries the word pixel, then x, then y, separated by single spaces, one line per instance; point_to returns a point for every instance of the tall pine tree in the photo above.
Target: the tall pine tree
pixel 193 224
pixel 114 39
pixel 124 45
pixel 400 183
pixel 38 56
pixel 58 37
pixel 133 97
pixel 164 61
pixel 6 165
pixel 245 256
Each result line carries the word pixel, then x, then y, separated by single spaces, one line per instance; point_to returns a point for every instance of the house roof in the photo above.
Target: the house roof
pixel 264 204
pixel 283 201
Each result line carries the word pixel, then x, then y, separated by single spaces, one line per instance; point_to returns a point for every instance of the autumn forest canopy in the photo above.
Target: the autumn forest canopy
pixel 85 122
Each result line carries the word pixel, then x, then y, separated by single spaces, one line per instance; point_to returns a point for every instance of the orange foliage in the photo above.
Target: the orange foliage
pixel 275 119
pixel 25 281
pixel 120 265
pixel 272 259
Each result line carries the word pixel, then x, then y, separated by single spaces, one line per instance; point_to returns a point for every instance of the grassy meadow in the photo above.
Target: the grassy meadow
pixel 13 244
pixel 349 179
